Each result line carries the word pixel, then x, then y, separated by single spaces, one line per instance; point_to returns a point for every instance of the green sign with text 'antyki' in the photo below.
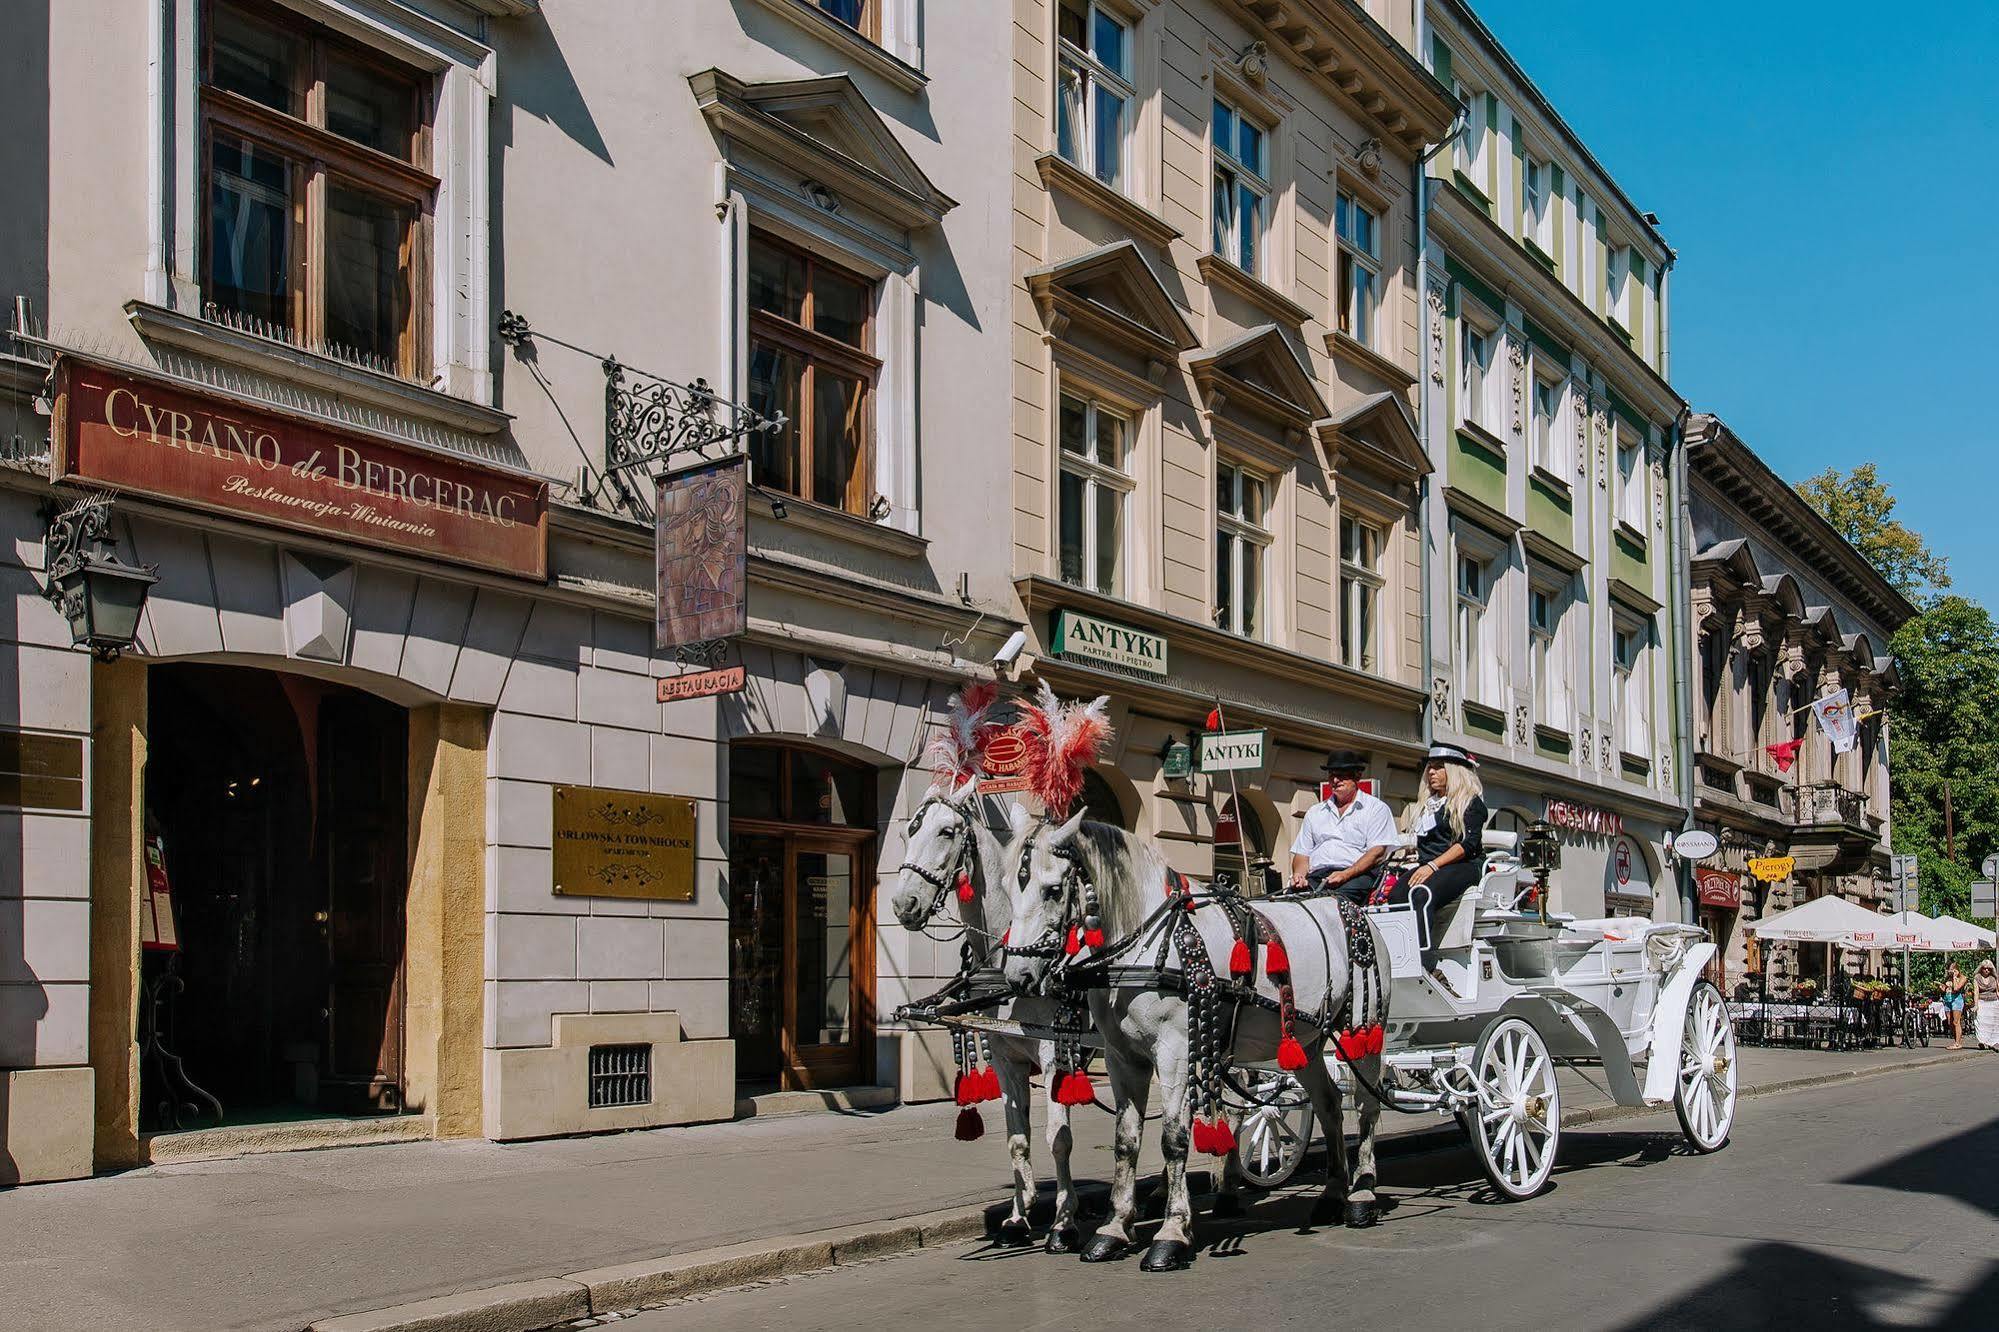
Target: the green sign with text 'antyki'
pixel 1087 638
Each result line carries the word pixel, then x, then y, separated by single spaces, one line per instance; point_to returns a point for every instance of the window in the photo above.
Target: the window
pixel 1631 687
pixel 1476 661
pixel 1478 386
pixel 1360 593
pixel 1093 93
pixel 313 151
pixel 1468 150
pixel 1617 282
pixel 1242 182
pixel 1550 440
pixel 1240 539
pixel 1536 190
pixel 810 330
pixel 860 15
pixel 1359 232
pixel 1631 495
pixel 1545 656
pixel 1090 525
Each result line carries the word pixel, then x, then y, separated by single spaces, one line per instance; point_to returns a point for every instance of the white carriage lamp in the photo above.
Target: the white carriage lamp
pixel 99 594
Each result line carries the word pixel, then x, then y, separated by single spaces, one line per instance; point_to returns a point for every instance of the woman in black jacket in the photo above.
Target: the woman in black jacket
pixel 1449 825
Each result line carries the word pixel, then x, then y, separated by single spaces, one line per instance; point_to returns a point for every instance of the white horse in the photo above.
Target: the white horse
pixel 946 835
pixel 1144 1021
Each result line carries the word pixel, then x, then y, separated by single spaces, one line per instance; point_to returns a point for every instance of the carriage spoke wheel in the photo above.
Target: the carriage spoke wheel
pixel 1274 1136
pixel 1516 1123
pixel 1705 1097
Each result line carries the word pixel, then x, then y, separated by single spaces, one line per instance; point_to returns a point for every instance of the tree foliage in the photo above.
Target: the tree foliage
pixel 1861 508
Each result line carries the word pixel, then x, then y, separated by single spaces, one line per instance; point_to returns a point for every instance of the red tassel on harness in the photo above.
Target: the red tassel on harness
pixel 1073 1088
pixel 1240 961
pixel 1290 1054
pixel 1276 962
pixel 961 1090
pixel 964 886
pixel 1093 938
pixel 1377 1039
pixel 1074 943
pixel 1221 1138
pixel 1201 1135
pixel 1352 1044
pixel 990 1083
pixel 971 1125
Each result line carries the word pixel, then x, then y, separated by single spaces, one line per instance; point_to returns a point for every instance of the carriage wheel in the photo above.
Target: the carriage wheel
pixel 1273 1137
pixel 1705 1097
pixel 1516 1123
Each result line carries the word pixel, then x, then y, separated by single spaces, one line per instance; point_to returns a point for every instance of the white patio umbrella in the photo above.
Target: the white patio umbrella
pixel 1959 936
pixel 1913 932
pixel 1831 920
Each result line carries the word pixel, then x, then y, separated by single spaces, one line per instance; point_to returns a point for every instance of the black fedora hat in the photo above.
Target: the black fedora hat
pixel 1346 760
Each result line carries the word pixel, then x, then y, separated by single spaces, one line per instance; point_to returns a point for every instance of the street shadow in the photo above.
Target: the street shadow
pixel 1787 1285
pixel 1964 1166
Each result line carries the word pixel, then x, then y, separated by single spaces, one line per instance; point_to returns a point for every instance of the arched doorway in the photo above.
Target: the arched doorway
pixel 801 915
pixel 276 815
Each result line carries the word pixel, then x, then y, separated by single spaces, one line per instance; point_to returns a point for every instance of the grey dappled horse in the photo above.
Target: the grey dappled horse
pixel 1145 1030
pixel 945 834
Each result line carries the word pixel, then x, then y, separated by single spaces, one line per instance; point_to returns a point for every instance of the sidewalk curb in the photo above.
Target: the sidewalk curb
pixel 530 1306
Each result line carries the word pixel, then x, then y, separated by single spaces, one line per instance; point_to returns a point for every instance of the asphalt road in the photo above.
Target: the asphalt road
pixel 1864 1204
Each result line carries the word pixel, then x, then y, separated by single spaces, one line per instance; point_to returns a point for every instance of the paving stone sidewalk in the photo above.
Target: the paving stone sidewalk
pixel 278 1241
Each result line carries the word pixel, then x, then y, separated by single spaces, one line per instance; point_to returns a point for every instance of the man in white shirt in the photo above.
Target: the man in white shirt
pixel 1344 840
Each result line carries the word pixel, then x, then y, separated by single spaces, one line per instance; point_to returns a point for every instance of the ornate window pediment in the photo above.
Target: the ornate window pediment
pixel 1259 372
pixel 1113 292
pixel 1378 429
pixel 819 140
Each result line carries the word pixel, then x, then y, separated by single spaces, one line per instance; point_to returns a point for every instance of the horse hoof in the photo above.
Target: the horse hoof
pixel 1105 1249
pixel 1361 1215
pixel 1227 1206
pixel 1166 1256
pixel 1014 1234
pixel 1063 1239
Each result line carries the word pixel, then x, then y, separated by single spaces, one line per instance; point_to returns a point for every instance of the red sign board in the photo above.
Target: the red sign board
pixel 700 684
pixel 1623 862
pixel 1005 762
pixel 136 434
pixel 1718 887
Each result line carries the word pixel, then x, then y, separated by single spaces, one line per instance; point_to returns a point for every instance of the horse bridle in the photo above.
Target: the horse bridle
pixel 1074 877
pixel 940 884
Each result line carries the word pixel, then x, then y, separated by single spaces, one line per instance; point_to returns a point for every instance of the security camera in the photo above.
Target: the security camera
pixel 1010 650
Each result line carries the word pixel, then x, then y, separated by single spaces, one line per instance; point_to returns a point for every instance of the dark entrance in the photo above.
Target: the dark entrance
pixel 801 916
pixel 280 804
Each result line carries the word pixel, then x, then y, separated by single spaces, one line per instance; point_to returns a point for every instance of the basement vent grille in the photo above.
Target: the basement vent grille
pixel 620 1075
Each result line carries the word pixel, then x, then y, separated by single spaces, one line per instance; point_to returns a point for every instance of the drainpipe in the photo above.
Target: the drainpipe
pixel 1427 528
pixel 1680 607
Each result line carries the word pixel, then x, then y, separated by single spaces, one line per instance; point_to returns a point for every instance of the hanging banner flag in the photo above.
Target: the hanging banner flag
pixel 1785 754
pixel 1835 718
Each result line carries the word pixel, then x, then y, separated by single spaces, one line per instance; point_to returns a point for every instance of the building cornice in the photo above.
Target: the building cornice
pixel 1719 457
pixel 1356 58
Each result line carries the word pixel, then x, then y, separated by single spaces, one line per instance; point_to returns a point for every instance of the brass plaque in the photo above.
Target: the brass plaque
pixel 41 771
pixel 623 844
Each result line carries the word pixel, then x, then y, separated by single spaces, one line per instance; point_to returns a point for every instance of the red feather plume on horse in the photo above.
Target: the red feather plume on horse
pixel 1063 740
pixel 956 754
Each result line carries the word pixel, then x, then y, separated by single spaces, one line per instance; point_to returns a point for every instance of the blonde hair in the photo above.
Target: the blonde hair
pixel 1461 787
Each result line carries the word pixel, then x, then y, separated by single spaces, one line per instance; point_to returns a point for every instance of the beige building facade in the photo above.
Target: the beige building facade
pixel 1784 612
pixel 1215 468
pixel 286 232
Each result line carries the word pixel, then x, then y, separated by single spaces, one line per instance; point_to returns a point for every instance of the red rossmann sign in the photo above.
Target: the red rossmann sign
pixel 128 433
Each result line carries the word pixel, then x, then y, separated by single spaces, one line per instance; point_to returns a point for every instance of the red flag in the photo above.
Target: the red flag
pixel 1786 754
pixel 1214 722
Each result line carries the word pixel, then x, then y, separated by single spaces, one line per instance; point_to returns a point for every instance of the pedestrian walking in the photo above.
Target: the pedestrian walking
pixel 1953 1001
pixel 1986 990
pixel 1449 826
pixel 1343 840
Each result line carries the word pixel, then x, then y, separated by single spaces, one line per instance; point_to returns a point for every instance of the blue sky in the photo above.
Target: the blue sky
pixel 1825 172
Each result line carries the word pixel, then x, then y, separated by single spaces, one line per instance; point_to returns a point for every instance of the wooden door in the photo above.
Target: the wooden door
pixel 362 816
pixel 829 952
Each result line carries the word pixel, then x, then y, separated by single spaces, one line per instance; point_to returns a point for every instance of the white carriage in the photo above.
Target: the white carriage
pixel 1512 997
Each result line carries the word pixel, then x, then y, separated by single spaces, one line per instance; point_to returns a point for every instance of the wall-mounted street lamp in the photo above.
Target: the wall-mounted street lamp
pixel 99 594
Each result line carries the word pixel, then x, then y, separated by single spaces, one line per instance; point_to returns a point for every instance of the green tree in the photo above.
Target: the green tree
pixel 1861 508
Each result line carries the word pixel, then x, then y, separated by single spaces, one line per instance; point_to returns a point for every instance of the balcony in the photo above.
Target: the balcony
pixel 1830 830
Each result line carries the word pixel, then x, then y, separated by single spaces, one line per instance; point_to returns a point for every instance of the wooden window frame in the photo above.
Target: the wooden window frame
pixel 1239 531
pixel 317 156
pixel 1224 164
pixel 814 348
pixel 1095 476
pixel 1365 579
pixel 1347 314
pixel 1092 73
